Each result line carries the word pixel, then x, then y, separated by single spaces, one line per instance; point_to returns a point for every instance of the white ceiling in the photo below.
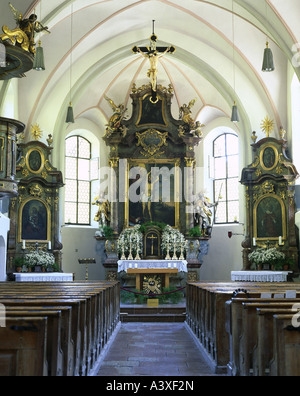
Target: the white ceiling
pixel 218 58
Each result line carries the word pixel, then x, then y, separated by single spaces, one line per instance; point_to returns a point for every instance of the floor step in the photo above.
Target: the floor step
pixel 158 315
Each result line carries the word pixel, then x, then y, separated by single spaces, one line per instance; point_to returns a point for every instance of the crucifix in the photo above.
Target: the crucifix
pixel 153 53
pixel 152 239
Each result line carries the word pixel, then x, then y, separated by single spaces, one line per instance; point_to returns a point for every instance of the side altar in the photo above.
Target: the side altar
pixel 151 188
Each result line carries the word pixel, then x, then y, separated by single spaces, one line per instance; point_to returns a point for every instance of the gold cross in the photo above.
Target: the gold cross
pixel 152 237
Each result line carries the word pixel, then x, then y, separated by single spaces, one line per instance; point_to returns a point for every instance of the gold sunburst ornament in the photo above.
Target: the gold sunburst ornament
pixel 36 132
pixel 267 126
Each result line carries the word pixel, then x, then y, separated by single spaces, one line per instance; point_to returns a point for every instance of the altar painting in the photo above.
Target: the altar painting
pixel 34 221
pixel 155 190
pixel 269 218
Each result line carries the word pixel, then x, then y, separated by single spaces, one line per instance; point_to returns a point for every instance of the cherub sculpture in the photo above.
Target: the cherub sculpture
pixel 25 31
pixel 185 114
pixel 115 121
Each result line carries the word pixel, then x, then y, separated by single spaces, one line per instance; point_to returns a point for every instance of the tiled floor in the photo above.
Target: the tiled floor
pixel 154 349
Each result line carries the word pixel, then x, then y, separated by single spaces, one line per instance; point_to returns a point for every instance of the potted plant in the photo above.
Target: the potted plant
pixel 38 259
pixel 19 263
pixel 266 258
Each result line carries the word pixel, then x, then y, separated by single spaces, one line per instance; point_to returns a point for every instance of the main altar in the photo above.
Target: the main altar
pixel 149 201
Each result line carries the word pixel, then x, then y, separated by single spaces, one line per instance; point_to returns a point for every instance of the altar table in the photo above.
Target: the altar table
pixel 43 277
pixel 139 267
pixel 259 276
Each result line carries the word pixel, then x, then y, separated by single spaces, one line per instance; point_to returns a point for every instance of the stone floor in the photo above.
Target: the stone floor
pixel 154 349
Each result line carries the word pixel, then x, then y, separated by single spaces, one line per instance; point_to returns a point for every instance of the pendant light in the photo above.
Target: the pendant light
pixel 235 113
pixel 70 113
pixel 268 60
pixel 39 61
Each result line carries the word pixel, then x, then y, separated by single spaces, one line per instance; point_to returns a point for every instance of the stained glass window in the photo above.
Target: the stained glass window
pixel 226 178
pixel 77 181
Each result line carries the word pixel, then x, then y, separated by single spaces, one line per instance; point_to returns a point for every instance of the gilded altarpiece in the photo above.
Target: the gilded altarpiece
pixel 153 140
pixel 34 213
pixel 270 196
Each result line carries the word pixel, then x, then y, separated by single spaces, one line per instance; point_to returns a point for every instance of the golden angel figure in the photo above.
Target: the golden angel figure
pixel 102 215
pixel 116 119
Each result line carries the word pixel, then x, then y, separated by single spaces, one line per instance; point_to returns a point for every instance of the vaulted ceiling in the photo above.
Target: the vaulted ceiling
pixel 218 59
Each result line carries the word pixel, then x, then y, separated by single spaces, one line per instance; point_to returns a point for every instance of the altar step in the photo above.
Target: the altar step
pixel 157 315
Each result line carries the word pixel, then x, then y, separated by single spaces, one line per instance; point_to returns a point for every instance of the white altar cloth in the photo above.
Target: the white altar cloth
pixel 43 277
pixel 259 276
pixel 124 265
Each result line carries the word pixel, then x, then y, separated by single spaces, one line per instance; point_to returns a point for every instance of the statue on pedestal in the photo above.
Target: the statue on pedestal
pixel 202 212
pixel 102 215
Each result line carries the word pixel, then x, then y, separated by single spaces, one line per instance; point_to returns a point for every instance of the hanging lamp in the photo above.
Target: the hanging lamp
pixel 268 61
pixel 70 112
pixel 39 61
pixel 234 114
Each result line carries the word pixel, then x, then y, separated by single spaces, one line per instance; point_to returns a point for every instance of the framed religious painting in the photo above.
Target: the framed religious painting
pixel 269 218
pixel 151 113
pixel 153 192
pixel 34 221
pixel 269 157
pixel 35 160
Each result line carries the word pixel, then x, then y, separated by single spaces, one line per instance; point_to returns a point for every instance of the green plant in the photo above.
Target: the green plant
pixel 19 261
pixel 108 232
pixel 195 232
pixel 267 256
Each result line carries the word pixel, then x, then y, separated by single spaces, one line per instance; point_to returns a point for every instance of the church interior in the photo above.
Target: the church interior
pixel 148 158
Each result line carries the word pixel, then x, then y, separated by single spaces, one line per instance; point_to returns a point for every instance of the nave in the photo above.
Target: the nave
pixel 154 349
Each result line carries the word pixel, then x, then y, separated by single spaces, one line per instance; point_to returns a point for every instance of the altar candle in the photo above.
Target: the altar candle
pixel 23 245
pixel 254 242
pixel 280 240
pixel 49 245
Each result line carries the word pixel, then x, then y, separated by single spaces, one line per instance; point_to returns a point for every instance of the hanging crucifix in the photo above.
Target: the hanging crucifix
pixel 153 53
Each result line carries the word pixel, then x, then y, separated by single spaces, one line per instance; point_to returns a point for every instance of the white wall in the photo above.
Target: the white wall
pixel 78 243
pixel 225 255
pixel 4 228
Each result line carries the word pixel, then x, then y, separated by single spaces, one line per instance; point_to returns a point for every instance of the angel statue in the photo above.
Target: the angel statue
pixel 115 121
pixel 102 215
pixel 202 212
pixel 185 114
pixel 25 30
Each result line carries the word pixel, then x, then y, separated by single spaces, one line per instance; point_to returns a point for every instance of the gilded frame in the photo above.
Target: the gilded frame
pixel 283 219
pixel 28 162
pixel 151 124
pixel 141 162
pixel 20 220
pixel 2 145
pixel 262 163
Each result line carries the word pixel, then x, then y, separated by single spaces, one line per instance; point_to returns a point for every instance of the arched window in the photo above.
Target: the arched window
pixel 77 181
pixel 226 178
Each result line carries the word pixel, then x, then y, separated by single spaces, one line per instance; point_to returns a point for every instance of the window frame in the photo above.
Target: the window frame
pixel 227 201
pixel 78 158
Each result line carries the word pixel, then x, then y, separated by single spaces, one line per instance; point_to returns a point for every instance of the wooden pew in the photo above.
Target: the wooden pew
pixel 23 347
pixel 286 360
pixel 93 319
pixel 207 316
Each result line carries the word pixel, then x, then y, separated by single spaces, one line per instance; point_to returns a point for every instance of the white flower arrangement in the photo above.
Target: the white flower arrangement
pixel 131 235
pixel 171 236
pixel 41 258
pixel 266 256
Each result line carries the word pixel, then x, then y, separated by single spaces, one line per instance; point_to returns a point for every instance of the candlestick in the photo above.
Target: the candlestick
pixel 23 245
pixel 254 242
pixel 49 245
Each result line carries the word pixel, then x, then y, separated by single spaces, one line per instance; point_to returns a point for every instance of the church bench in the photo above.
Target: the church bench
pixel 67 344
pixel 207 316
pixel 23 347
pixel 286 356
pixel 102 311
pixel 54 351
pixel 263 351
pixel 79 352
pixel 241 324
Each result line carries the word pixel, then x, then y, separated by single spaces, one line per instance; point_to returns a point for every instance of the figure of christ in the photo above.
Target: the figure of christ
pixel 146 197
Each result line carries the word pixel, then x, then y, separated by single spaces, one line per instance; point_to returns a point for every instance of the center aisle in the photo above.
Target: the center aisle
pixel 154 349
